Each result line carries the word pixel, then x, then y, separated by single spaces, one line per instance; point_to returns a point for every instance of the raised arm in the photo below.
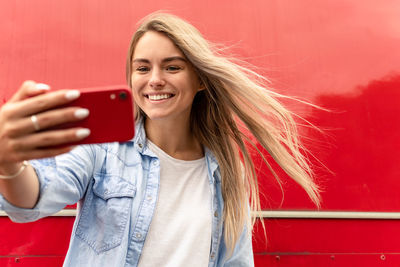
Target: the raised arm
pixel 25 122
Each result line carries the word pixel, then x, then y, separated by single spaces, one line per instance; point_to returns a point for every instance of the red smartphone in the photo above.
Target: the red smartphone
pixel 111 117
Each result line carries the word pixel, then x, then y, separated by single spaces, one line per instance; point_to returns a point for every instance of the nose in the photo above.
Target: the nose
pixel 156 79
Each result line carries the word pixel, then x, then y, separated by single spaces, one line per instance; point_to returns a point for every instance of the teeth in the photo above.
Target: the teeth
pixel 159 97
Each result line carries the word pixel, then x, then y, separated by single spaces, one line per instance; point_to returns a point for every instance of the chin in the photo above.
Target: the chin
pixel 156 116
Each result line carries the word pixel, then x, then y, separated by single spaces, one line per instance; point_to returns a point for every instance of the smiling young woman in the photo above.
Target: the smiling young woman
pixel 230 103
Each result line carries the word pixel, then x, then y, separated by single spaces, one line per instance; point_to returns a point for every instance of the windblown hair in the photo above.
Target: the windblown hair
pixel 235 107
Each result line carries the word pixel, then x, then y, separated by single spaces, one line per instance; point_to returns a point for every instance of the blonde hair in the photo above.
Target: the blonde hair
pixel 234 104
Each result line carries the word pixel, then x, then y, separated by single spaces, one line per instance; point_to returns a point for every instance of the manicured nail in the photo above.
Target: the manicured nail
pixel 81 113
pixel 42 86
pixel 72 94
pixel 82 133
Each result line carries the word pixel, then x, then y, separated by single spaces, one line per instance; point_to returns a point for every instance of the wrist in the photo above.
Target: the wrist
pixel 12 170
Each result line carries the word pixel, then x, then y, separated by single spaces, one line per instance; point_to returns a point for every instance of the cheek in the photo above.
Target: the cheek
pixel 137 99
pixel 195 87
pixel 137 79
pixel 137 85
pixel 136 93
pixel 194 82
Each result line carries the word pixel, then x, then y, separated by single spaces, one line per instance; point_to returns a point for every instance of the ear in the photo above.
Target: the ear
pixel 201 88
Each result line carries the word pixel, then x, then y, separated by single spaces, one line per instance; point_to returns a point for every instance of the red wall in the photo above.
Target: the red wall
pixel 341 55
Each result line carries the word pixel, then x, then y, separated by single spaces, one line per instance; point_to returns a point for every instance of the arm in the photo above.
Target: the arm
pixel 62 181
pixel 23 190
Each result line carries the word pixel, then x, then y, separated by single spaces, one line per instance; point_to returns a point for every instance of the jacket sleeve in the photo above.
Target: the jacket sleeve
pixel 63 181
pixel 243 253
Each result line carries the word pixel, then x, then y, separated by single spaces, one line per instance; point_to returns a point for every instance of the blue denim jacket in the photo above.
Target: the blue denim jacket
pixel 116 187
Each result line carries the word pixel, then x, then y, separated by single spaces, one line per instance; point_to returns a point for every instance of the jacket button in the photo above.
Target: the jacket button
pixel 140 145
pixel 138 235
pixel 216 214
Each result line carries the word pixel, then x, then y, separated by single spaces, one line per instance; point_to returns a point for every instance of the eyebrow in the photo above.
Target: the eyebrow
pixel 165 60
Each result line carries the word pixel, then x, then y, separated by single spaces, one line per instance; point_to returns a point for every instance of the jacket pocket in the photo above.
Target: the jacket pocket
pixel 105 212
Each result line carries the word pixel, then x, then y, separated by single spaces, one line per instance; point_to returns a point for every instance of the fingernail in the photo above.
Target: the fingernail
pixel 72 94
pixel 82 133
pixel 81 113
pixel 42 86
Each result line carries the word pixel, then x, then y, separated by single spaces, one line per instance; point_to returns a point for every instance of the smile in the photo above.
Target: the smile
pixel 159 97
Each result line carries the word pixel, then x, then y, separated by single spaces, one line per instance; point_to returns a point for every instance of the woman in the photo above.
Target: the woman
pixel 177 194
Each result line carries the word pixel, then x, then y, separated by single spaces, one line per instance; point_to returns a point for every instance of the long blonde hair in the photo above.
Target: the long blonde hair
pixel 234 105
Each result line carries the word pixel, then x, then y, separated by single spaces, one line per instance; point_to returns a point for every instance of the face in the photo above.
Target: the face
pixel 164 83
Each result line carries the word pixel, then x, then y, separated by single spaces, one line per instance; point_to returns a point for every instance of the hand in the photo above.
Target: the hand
pixel 26 121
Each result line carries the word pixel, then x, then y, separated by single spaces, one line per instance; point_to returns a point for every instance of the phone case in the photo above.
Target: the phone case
pixel 111 117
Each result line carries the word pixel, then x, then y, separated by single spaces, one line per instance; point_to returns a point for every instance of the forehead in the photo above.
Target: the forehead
pixel 155 45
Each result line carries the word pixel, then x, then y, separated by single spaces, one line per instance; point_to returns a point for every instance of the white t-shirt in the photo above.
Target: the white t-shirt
pixel 180 231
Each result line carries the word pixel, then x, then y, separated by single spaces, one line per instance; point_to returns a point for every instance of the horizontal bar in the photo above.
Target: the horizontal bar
pixel 292 214
pixel 64 212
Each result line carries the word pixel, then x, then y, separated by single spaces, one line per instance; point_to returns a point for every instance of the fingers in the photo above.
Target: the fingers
pixel 45 120
pixel 44 144
pixel 34 98
pixel 42 103
pixel 50 119
pixel 49 139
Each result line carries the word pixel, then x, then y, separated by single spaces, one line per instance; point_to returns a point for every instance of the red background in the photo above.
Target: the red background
pixel 341 55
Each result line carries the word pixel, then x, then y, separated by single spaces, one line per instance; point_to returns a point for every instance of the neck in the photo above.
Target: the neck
pixel 174 138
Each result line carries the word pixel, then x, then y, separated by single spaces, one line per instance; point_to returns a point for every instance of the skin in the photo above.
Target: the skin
pixel 160 68
pixel 19 141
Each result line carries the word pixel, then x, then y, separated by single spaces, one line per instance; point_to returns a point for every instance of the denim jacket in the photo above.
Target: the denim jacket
pixel 116 187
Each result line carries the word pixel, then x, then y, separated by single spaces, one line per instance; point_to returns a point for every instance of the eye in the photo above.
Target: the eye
pixel 142 69
pixel 173 68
